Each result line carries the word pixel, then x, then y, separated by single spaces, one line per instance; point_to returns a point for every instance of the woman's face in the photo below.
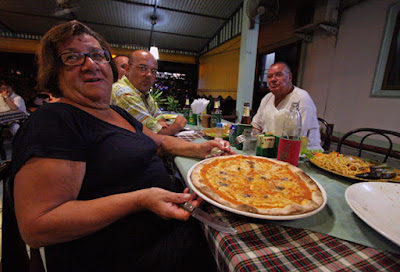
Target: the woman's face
pixel 90 83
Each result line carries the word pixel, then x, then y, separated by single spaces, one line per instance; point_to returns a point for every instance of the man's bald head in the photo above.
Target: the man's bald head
pixel 121 62
pixel 142 70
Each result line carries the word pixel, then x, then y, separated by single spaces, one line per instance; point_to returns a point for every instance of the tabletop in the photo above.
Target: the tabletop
pixel 331 240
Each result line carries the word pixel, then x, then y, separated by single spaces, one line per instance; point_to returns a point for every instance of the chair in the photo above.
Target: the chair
pixel 14 251
pixel 326 134
pixel 369 132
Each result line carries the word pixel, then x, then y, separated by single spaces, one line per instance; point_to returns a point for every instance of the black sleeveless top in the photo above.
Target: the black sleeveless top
pixel 117 161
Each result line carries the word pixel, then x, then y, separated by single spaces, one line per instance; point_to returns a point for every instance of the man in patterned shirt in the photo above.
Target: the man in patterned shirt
pixel 131 93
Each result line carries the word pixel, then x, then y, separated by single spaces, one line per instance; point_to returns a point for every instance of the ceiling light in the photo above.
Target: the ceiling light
pixel 154 52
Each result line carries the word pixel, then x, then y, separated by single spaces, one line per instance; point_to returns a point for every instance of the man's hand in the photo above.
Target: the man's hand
pixel 180 121
pixel 163 123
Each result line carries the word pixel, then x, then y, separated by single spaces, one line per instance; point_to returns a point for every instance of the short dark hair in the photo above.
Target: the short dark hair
pixel 7 83
pixel 49 63
pixel 284 63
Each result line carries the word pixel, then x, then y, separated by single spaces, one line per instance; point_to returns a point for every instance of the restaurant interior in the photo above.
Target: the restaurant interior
pixel 344 53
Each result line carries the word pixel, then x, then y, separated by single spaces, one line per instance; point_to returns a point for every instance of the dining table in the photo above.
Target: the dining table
pixel 11 116
pixel 334 239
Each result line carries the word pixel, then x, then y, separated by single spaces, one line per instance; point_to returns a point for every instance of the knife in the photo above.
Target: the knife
pixel 207 219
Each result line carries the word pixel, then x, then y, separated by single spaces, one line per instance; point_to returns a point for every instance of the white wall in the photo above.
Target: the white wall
pixel 339 71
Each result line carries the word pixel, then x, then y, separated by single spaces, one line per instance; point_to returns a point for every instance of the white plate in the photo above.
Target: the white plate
pixel 378 205
pixel 256 215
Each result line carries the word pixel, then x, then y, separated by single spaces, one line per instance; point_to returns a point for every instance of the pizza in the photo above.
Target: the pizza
pixel 257 185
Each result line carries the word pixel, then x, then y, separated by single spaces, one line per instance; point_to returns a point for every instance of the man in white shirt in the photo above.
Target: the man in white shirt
pixel 276 103
pixel 13 101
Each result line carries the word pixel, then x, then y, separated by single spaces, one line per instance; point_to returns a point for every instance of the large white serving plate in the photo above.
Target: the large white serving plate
pixel 378 205
pixel 256 215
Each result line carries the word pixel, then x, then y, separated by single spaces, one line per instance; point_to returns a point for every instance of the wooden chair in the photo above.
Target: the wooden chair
pixel 326 134
pixel 367 132
pixel 14 251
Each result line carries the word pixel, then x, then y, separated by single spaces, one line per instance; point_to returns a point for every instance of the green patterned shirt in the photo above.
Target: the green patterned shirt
pixel 139 105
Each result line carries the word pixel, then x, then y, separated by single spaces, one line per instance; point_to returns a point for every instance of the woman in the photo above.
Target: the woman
pixel 88 184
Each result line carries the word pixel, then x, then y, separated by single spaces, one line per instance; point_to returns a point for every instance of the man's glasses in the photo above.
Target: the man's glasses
pixel 145 68
pixel 74 59
pixel 277 75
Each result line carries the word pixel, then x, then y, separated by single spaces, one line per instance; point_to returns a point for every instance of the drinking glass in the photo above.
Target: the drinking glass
pixel 199 120
pixel 304 141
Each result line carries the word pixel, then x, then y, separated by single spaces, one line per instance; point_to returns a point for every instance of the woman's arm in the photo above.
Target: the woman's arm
pixel 48 212
pixel 176 146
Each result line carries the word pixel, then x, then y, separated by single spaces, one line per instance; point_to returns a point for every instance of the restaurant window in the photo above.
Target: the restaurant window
pixel 387 75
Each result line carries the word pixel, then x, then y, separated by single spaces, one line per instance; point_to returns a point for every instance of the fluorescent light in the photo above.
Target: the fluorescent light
pixel 154 52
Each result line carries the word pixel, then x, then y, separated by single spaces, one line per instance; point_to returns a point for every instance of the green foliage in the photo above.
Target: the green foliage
pixel 157 96
pixel 172 104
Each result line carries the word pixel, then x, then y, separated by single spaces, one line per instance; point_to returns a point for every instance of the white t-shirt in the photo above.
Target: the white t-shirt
pixel 270 118
pixel 18 101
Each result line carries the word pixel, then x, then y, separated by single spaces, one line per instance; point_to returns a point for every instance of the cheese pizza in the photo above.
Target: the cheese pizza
pixel 257 185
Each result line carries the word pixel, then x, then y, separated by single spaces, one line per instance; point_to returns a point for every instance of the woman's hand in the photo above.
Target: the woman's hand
pixel 165 203
pixel 224 146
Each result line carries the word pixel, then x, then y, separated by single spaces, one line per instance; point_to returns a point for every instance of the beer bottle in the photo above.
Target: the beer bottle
pixel 186 108
pixel 216 113
pixel 246 114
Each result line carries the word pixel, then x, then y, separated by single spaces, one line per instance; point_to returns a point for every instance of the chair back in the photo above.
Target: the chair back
pixel 326 134
pixel 369 132
pixel 14 255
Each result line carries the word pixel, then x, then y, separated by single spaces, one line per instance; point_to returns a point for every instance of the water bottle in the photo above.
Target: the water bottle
pixel 292 124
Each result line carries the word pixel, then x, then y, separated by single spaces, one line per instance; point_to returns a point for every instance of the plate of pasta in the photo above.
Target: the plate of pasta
pixel 346 165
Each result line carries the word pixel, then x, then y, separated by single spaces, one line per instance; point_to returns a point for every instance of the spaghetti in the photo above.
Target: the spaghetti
pixel 342 164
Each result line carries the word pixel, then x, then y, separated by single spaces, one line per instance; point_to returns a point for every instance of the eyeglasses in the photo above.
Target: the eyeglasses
pixel 75 59
pixel 277 75
pixel 145 68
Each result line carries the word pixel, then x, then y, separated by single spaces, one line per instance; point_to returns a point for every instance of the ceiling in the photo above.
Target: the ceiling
pixel 186 25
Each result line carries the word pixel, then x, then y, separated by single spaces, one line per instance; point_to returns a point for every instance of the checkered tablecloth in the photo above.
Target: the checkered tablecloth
pixel 11 116
pixel 190 136
pixel 262 246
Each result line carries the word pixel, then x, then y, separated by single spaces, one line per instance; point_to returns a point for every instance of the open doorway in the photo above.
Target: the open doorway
pixel 290 54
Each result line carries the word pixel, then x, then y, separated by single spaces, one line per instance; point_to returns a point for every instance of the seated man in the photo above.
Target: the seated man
pixel 13 101
pixel 131 93
pixel 121 62
pixel 282 94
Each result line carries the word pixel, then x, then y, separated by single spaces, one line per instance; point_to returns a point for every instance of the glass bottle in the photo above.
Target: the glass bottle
pixel 216 113
pixel 246 114
pixel 186 108
pixel 292 124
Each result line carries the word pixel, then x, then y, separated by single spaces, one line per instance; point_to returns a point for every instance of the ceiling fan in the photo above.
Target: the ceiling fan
pixel 64 7
pixel 261 11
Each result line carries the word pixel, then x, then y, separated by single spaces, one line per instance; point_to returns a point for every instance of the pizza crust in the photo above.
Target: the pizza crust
pixel 223 187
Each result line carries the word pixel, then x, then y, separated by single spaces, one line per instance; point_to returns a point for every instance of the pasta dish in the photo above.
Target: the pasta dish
pixel 342 164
